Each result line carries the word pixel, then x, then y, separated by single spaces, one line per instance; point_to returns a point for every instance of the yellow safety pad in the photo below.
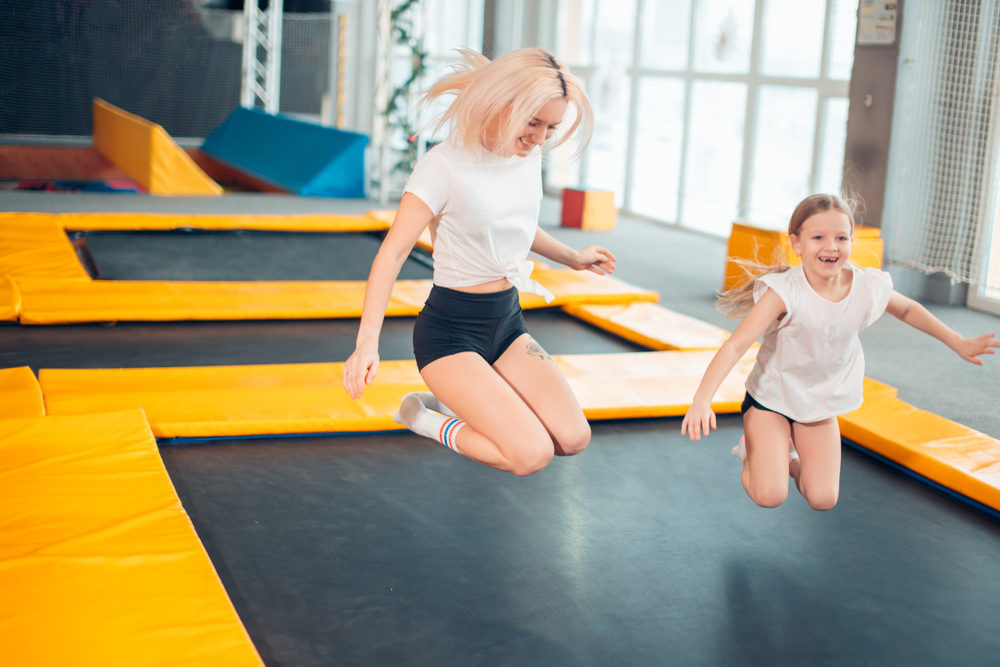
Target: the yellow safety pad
pixel 208 401
pixel 651 325
pixel 90 222
pixel 569 286
pixel 146 152
pixel 63 301
pixel 955 456
pixel 20 393
pixel 760 245
pixel 33 246
pixel 99 563
pixel 649 384
pixel 309 398
pixel 10 300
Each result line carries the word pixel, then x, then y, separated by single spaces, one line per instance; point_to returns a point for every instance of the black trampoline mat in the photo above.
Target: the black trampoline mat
pixel 389 549
pixel 238 255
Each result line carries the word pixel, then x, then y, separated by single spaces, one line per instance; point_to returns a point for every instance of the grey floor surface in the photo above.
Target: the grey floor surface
pixel 388 549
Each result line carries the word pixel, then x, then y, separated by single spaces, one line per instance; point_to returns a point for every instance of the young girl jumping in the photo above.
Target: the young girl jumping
pixel 810 366
pixel 508 406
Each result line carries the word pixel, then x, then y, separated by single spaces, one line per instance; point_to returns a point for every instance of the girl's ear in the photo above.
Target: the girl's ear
pixel 793 239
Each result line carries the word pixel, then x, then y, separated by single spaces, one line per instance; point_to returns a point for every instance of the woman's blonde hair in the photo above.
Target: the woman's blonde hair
pixel 495 99
pixel 736 301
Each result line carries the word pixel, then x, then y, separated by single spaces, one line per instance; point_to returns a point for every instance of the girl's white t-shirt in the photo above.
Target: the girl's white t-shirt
pixel 810 365
pixel 486 214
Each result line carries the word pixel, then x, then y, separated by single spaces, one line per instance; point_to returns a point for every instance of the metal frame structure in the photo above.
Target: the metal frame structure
pixel 261 55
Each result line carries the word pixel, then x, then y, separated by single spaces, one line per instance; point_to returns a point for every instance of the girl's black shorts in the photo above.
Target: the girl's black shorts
pixel 751 402
pixel 453 321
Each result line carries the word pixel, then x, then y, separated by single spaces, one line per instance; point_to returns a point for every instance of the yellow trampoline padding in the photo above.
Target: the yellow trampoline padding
pixel 99 563
pixel 20 394
pixel 309 398
pixel 36 246
pixel 209 401
pixel 146 152
pixel 651 325
pixel 10 300
pixel 649 384
pixel 63 301
pixel 955 456
pixel 360 222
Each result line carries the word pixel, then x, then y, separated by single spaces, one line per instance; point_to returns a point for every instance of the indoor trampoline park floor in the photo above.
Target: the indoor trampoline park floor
pixel 386 548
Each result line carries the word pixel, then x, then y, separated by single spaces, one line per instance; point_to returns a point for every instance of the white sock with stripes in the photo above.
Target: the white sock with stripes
pixel 414 415
pixel 431 402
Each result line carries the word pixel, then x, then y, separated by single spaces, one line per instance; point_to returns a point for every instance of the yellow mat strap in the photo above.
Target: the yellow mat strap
pixel 99 563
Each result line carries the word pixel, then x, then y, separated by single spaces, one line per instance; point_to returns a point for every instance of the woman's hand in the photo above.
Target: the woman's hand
pixel 594 258
pixel 360 369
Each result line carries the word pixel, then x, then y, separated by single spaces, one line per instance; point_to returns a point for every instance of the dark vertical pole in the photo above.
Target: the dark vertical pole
pixel 489 27
pixel 869 123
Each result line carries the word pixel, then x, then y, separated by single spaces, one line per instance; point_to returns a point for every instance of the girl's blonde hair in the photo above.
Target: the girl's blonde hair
pixel 495 99
pixel 736 301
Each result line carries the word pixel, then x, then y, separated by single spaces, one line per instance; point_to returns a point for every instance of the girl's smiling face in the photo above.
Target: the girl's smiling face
pixel 824 243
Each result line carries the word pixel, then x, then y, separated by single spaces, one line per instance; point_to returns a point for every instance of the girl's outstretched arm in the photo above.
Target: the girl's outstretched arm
pixel 592 258
pixel 918 317
pixel 700 418
pixel 411 218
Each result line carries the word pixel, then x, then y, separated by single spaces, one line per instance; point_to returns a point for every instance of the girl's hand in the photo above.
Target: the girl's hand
pixel 970 348
pixel 595 258
pixel 360 369
pixel 698 420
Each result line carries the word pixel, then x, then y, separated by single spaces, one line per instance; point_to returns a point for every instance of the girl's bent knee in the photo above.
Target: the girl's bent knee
pixel 822 501
pixel 769 497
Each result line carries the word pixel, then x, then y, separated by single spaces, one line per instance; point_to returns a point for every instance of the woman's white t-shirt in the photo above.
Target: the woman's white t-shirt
pixel 486 214
pixel 810 365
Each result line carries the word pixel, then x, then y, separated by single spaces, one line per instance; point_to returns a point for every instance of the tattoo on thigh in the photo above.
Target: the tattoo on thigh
pixel 535 350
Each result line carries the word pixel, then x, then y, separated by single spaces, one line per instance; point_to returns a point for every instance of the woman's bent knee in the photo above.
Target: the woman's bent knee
pixel 573 442
pixel 530 462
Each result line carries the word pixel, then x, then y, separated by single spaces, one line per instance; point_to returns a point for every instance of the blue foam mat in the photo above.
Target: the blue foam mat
pixel 291 154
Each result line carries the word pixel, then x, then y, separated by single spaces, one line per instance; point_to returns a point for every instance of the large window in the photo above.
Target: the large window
pixel 709 111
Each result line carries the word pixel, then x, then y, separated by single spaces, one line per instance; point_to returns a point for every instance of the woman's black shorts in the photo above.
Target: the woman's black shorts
pixel 453 321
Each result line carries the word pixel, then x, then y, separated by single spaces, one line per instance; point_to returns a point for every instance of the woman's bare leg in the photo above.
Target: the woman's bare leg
pixel 501 430
pixel 541 385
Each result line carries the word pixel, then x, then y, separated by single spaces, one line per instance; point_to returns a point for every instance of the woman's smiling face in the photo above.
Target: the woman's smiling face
pixel 540 127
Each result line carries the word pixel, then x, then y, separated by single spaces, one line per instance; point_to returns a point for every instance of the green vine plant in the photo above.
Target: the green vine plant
pixel 399 109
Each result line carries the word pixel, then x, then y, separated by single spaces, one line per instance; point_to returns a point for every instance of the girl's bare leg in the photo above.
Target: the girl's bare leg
pixel 817 472
pixel 765 470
